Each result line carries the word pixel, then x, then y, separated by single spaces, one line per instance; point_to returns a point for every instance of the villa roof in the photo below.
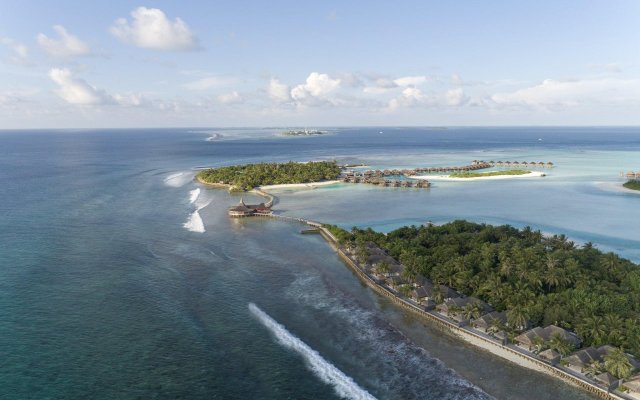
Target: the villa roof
pixel 606 378
pixel 546 334
pixel 633 383
pixel 486 320
pixel 549 354
pixel 584 357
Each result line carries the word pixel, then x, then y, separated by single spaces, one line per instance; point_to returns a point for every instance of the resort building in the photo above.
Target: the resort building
pixel 527 339
pixel 455 308
pixel 247 210
pixel 550 355
pixel 493 318
pixel 581 359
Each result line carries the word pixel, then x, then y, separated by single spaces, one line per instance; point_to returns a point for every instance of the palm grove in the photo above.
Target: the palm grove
pixel 243 177
pixel 537 279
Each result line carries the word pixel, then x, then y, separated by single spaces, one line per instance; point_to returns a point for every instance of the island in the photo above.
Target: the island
pixel 246 177
pixel 632 184
pixel 303 132
pixel 539 301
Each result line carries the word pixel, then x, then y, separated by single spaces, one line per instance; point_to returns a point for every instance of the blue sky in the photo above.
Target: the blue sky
pixel 291 63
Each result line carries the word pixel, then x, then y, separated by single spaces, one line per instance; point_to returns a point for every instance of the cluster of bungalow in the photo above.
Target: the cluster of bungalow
pixel 631 175
pixel 474 313
pixel 248 210
pixel 355 177
pixel 512 164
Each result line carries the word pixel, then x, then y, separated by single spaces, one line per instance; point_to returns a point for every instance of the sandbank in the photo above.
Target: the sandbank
pixel 308 185
pixel 532 174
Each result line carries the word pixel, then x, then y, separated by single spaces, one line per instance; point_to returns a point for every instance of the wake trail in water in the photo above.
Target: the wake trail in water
pixel 344 386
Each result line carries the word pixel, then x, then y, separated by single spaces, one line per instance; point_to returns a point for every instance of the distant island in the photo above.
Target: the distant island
pixel 246 177
pixel 304 132
pixel 632 184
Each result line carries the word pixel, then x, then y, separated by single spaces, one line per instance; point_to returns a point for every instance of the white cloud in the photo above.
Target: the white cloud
pixel 410 97
pixel 456 97
pixel 278 91
pixel 207 83
pixel 456 80
pixel 77 91
pixel 410 81
pixel 66 46
pixel 150 28
pixel 316 85
pixel 230 98
pixel 20 52
pixel 559 94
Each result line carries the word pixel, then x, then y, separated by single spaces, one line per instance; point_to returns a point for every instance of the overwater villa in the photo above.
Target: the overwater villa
pixel 248 210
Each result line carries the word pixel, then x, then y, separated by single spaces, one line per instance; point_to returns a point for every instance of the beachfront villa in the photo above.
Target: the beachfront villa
pixel 580 360
pixel 489 320
pixel 248 210
pixel 455 308
pixel 429 292
pixel 550 355
pixel 528 340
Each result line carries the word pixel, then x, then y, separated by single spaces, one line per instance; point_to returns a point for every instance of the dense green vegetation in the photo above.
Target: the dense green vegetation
pixel 633 184
pixel 245 177
pixel 547 280
pixel 469 174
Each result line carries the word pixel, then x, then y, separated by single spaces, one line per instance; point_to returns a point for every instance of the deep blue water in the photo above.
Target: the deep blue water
pixel 104 293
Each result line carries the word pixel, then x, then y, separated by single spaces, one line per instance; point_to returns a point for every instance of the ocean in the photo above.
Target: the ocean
pixel 120 278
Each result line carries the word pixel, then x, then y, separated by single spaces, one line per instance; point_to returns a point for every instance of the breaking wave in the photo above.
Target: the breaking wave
pixel 193 195
pixel 178 179
pixel 194 222
pixel 344 386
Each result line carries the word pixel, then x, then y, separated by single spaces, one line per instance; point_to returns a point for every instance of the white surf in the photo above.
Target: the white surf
pixel 195 223
pixel 193 195
pixel 344 386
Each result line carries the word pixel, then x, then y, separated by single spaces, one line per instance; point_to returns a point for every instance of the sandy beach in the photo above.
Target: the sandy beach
pixel 310 185
pixel 533 174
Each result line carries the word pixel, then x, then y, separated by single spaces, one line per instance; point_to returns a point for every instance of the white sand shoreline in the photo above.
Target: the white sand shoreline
pixel 309 185
pixel 533 174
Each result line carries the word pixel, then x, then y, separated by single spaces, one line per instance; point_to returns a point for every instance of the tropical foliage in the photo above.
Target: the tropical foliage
pixel 632 184
pixel 251 175
pixel 537 279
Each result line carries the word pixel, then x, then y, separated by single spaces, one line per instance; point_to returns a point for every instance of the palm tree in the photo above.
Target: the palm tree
pixel 538 344
pixel 593 329
pixel 617 363
pixel 614 325
pixel 471 310
pixel 594 368
pixel 517 317
pixel 495 326
pixel 383 268
pixel 559 344
pixel 438 296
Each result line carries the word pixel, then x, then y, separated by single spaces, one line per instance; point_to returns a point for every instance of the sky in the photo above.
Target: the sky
pixel 84 64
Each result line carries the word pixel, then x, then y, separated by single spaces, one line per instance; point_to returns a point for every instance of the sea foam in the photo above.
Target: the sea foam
pixel 193 195
pixel 178 179
pixel 195 223
pixel 344 386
